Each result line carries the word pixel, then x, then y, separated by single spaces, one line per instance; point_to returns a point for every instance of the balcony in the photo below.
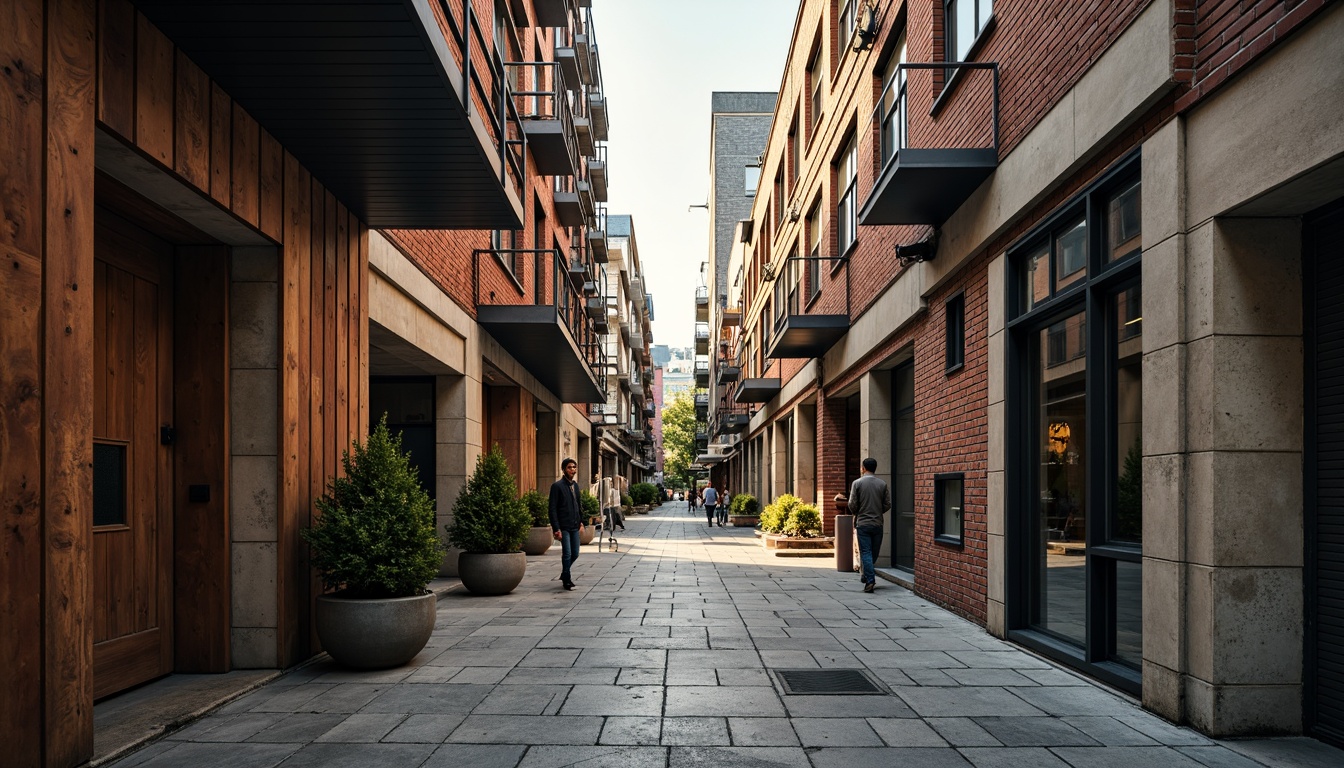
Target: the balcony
pixel 701 406
pixel 597 172
pixel 573 200
pixel 403 132
pixel 650 409
pixel 730 317
pixel 597 235
pixel 806 336
pixel 702 338
pixel 733 421
pixel 554 13
pixel 572 54
pixel 728 372
pixel 702 373
pixel 545 106
pixel 546 330
pixel 701 303
pixel 925 185
pixel 597 114
pixel 756 390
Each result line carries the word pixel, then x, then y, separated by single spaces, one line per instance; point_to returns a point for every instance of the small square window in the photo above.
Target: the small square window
pixel 753 179
pixel 955 315
pixel 948 494
pixel 109 484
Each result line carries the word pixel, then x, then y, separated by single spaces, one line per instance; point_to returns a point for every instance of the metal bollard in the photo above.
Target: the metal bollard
pixel 844 543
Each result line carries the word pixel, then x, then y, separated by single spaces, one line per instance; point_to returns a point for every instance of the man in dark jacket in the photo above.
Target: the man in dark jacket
pixel 869 501
pixel 567 518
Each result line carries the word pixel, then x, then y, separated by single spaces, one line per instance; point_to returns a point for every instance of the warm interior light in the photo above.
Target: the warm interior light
pixel 1135 320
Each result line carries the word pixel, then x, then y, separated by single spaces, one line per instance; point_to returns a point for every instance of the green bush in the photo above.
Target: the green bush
pixel 488 516
pixel 375 535
pixel 804 520
pixel 539 507
pixel 592 508
pixel 626 501
pixel 644 493
pixel 777 513
pixel 744 504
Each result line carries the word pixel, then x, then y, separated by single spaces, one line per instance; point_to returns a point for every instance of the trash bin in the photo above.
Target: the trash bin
pixel 844 535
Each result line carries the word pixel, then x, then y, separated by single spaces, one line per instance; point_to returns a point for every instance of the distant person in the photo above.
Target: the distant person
pixel 724 503
pixel 690 501
pixel 869 500
pixel 612 501
pixel 711 498
pixel 567 518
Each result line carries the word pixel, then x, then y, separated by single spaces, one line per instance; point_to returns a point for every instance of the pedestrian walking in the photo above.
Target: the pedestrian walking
pixel 690 501
pixel 612 501
pixel 711 497
pixel 869 501
pixel 567 518
pixel 725 501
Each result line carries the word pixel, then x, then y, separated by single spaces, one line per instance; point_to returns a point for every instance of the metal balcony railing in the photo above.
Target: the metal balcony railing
pixel 546 107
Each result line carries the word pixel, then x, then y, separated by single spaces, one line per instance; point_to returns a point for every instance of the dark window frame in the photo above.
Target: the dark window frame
pixel 941 481
pixel 954 331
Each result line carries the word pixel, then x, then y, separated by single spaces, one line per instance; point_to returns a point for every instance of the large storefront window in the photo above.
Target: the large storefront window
pixel 1075 491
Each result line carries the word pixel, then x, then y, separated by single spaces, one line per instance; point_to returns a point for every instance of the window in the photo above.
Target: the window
pixel 1075 532
pixel 814 74
pixel 955 317
pixel 844 26
pixel 795 156
pixel 506 243
pixel 109 484
pixel 893 104
pixel 753 179
pixel 846 210
pixel 963 21
pixel 814 252
pixel 778 200
pixel 948 493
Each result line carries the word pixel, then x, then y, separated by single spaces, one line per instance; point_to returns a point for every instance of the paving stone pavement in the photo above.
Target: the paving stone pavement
pixel 663 656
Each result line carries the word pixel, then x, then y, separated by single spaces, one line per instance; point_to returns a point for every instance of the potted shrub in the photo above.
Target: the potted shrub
pixel 744 510
pixel 539 536
pixel 374 541
pixel 592 515
pixel 774 516
pixel 627 504
pixel 489 524
pixel 643 495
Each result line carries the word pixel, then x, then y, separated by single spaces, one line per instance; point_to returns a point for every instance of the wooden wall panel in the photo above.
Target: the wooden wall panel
pixel 116 65
pixel 67 382
pixel 21 104
pixel 246 159
pixel 345 341
pixel 201 577
pixel 221 144
pixel 314 454
pixel 191 129
pixel 154 91
pixel 272 186
pixel 295 295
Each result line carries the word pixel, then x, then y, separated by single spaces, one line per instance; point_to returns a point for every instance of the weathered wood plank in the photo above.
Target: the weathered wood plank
pixel 143 597
pixel 246 160
pixel 201 529
pixel 154 85
pixel 331 333
pixel 21 100
pixel 362 325
pixel 346 332
pixel 191 129
pixel 68 382
pixel 272 172
pixel 165 487
pixel 116 66
pixel 20 497
pixel 221 144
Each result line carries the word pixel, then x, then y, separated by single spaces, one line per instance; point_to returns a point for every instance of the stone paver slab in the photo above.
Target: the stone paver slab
pixel 906 732
pixel 464 755
pixel 523 700
pixel 425 729
pixel 722 701
pixel 359 755
pixel 437 699
pixel 846 706
pixel 527 729
pixel 762 731
pixel 695 731
pixel 1035 732
pixel 595 757
pixel 835 732
pixel 362 729
pixel 299 728
pixel 614 700
pixel 222 756
pixel 965 702
pixel 737 757
pixel 1012 757
pixel 1123 757
pixel 886 757
pixel 631 731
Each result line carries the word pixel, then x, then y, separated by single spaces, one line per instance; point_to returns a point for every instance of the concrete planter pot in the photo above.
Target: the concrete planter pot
pixel 744 521
pixel 374 634
pixel 586 534
pixel 641 509
pixel 539 540
pixel 485 574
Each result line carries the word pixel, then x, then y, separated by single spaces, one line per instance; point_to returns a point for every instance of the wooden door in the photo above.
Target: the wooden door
pixel 132 509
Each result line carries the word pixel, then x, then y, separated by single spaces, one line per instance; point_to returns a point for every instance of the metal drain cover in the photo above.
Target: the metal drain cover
pixel 827 682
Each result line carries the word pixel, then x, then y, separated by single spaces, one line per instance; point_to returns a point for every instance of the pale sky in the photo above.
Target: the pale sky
pixel 661 59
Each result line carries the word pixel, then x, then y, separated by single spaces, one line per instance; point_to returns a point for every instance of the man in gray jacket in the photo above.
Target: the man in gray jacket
pixel 869 500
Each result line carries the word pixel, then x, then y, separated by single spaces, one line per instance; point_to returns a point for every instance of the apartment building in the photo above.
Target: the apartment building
pixel 1067 273
pixel 626 443
pixel 221 268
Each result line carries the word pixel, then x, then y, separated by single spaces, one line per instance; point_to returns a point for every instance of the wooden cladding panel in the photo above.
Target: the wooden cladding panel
pixel 271 193
pixel 246 182
pixel 154 87
pixel 201 577
pixel 116 65
pixel 67 382
pixel 192 125
pixel 221 149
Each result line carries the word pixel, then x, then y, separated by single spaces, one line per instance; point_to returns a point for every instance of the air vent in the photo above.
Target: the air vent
pixel 827 682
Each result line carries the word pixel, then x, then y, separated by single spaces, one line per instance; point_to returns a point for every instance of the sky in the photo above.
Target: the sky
pixel 661 60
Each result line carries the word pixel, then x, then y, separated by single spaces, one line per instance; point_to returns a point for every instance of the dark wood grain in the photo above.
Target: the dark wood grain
pixel 154 90
pixel 191 129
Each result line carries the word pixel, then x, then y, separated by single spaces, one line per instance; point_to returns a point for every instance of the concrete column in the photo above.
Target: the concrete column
pixel 458 410
pixel 779 459
pixel 550 452
pixel 875 436
pixel 254 408
pixel 996 563
pixel 805 453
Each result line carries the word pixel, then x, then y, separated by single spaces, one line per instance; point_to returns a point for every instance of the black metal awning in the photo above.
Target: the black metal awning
pixel 807 336
pixel 757 390
pixel 537 338
pixel 368 95
pixel 926 186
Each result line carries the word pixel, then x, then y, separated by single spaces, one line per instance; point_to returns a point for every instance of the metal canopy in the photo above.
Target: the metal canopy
pixel 926 186
pixel 537 337
pixel 366 94
pixel 756 390
pixel 808 336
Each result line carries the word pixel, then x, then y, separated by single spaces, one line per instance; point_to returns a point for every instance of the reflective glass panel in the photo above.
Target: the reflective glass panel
pixel 109 484
pixel 1071 255
pixel 1128 604
pixel 903 470
pixel 1035 278
pixel 950 507
pixel 1060 599
pixel 1127 523
pixel 1123 225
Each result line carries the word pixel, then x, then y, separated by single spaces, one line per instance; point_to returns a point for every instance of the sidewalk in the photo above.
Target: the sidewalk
pixel 664 656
